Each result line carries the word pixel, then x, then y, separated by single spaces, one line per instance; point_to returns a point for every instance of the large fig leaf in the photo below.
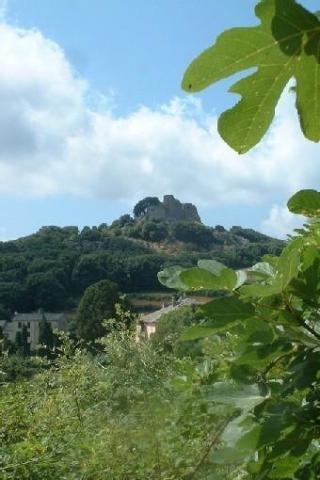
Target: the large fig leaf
pixel 244 397
pixel 170 278
pixel 227 310
pixel 221 313
pixel 285 45
pixel 305 202
pixel 212 266
pixel 199 278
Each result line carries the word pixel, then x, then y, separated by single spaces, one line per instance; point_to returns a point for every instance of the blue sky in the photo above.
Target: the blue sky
pixel 101 68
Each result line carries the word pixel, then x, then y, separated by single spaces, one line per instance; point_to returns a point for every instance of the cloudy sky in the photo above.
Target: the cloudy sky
pixel 92 118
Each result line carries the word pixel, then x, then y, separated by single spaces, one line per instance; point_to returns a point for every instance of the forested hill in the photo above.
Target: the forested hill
pixel 51 268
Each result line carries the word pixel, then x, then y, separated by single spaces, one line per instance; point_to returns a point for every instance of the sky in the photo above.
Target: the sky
pixel 93 118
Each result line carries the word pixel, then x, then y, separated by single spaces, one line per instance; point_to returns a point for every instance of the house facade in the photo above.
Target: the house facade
pixel 31 321
pixel 148 323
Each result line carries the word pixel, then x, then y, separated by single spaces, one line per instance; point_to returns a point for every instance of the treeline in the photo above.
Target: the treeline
pixel 51 268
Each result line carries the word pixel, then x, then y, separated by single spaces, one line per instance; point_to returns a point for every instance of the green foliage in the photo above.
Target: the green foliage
pixel 199 278
pixel 247 404
pixel 21 342
pixel 192 232
pixel 130 412
pixel 52 268
pixel 271 376
pixel 47 338
pixel 170 278
pixel 209 275
pixel 173 409
pixel 4 313
pixel 154 231
pixel 249 234
pixel 97 304
pixel 15 367
pixel 142 206
pixel 123 221
pixel 284 45
pixel 46 291
pixel 305 202
pixel 167 337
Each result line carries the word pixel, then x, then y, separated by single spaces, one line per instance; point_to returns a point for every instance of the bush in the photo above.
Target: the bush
pixel 118 416
pixel 14 367
pixel 192 232
pixel 154 231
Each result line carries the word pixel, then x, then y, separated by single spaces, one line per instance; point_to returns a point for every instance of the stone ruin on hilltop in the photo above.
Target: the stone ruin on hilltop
pixel 172 210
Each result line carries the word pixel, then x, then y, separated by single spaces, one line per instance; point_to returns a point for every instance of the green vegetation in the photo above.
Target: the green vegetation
pixel 270 313
pixel 284 45
pixel 141 207
pixel 101 302
pixel 167 338
pixel 131 412
pixel 21 343
pixel 46 335
pixel 52 268
pixel 230 390
pixel 97 304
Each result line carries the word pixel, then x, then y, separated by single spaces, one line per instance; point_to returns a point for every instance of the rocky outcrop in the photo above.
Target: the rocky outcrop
pixel 172 210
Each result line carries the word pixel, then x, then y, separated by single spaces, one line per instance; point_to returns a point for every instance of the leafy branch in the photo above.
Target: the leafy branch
pixel 285 45
pixel 211 445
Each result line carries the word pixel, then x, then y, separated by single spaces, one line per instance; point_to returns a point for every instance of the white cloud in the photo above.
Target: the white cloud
pixel 52 141
pixel 281 222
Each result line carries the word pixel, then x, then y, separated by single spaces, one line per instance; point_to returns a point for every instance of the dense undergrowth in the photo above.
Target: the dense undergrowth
pixel 134 411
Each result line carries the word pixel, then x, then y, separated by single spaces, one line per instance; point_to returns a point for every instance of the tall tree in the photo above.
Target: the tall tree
pixel 22 344
pixel 46 335
pixel 97 304
pixel 141 207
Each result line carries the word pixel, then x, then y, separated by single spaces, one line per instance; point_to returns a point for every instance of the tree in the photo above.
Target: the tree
pixel 13 295
pixel 90 234
pixel 97 304
pixel 141 207
pixel 21 343
pixel 122 221
pixel 193 232
pixel 88 270
pixel 103 227
pixel 45 291
pixel 4 313
pixel 46 335
pixel 154 231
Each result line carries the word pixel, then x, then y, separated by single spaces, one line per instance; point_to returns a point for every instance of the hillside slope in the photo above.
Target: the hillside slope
pixel 51 268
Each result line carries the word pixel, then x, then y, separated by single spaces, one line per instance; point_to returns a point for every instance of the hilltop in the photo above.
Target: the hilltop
pixel 51 268
pixel 169 210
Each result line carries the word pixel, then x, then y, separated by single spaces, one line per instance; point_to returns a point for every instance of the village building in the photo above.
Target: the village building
pixel 31 321
pixel 148 323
